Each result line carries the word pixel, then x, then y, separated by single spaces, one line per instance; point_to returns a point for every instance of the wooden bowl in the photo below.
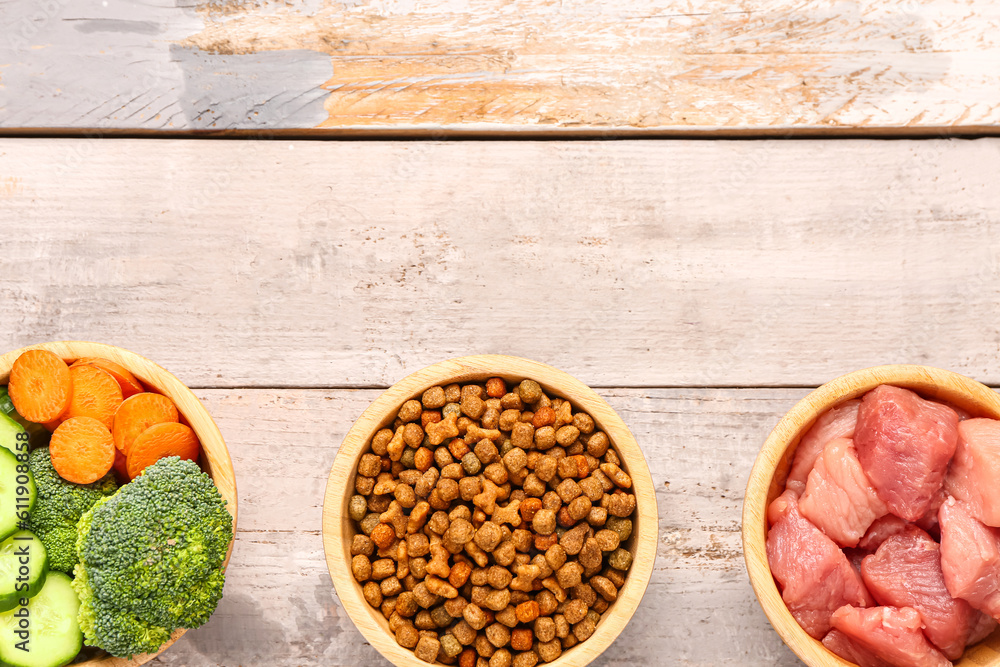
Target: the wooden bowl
pixel 214 455
pixel 767 480
pixel 338 529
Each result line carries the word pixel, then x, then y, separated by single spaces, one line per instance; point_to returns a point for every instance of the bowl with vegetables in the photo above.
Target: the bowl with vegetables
pixel 117 507
pixel 490 510
pixel 870 524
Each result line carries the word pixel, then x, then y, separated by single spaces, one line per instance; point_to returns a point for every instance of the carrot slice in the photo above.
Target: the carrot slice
pixel 128 382
pixel 160 441
pixel 95 394
pixel 138 413
pixel 82 450
pixel 40 385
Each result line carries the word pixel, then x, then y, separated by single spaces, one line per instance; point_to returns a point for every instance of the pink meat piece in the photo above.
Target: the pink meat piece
pixel 837 422
pixel 976 468
pixel 811 570
pixel 905 443
pixel 880 530
pixel 851 651
pixel 970 558
pixel 891 634
pixel 983 628
pixel 839 499
pixel 906 572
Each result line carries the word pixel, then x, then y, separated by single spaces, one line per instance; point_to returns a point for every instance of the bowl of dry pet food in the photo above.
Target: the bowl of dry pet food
pixel 490 511
pixel 871 521
pixel 117 507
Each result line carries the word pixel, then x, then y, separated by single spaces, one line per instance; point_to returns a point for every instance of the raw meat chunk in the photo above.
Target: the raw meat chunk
pixel 983 628
pixel 904 444
pixel 891 634
pixel 976 468
pixel 812 572
pixel 881 530
pixel 848 649
pixel 839 499
pixel 837 422
pixel 970 558
pixel 906 572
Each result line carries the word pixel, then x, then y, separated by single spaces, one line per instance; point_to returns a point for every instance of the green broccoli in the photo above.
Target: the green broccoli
pixel 59 506
pixel 151 558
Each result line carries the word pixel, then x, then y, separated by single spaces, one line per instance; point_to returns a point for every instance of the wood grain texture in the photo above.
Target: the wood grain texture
pixel 338 529
pixel 654 66
pixel 771 468
pixel 280 608
pixel 624 263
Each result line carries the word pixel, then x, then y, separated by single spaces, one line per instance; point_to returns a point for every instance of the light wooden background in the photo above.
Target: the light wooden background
pixel 466 66
pixel 702 287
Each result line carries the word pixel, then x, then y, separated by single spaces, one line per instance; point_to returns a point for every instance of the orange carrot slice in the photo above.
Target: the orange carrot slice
pixel 138 413
pixel 40 385
pixel 82 450
pixel 160 441
pixel 95 394
pixel 128 382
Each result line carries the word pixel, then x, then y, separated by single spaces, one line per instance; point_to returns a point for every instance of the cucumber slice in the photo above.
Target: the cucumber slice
pixel 23 564
pixel 9 432
pixel 17 492
pixel 52 636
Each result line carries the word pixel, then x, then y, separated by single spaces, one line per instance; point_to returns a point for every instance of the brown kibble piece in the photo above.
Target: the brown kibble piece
pixel 544 416
pixel 383 535
pixel 544 522
pixel 575 611
pixel 442 430
pixel 396 445
pixel 590 556
pixel 410 411
pixel 369 465
pixel 568 489
pixel 382 568
pixel 501 658
pixel 617 475
pixel 527 611
pixel 440 587
pixel 433 398
pixel 584 629
pixel 459 574
pixel 604 587
pixel 508 515
pixel 362 544
pixel 522 435
pixel 521 639
pixel 488 536
pixel 597 444
pixel 427 649
pixel 361 568
pixel 621 504
pixel 607 540
pixel 373 594
pixel 450 646
pixel 569 574
pixel 550 650
pixel 529 391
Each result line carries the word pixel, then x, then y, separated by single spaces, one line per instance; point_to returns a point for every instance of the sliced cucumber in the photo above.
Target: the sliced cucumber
pixel 45 632
pixel 17 492
pixel 23 564
pixel 9 432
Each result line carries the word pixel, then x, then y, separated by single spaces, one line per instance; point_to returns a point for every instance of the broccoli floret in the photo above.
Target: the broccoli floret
pixel 59 506
pixel 151 558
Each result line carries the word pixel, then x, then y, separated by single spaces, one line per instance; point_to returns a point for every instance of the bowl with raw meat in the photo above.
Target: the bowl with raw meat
pixel 871 521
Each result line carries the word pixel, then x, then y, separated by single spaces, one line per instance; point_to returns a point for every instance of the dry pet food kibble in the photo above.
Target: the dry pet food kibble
pixel 493 525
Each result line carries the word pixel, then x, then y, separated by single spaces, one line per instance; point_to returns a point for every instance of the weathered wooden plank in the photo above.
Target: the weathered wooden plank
pixel 502 65
pixel 625 263
pixel 280 608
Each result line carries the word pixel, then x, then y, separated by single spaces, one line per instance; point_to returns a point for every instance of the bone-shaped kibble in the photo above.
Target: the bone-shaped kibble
pixel 481 557
pixel 509 514
pixel 440 587
pixel 558 591
pixel 475 434
pixel 396 446
pixel 394 517
pixel 418 517
pixel 525 579
pixel 564 415
pixel 487 500
pixel 438 564
pixel 384 484
pixel 442 430
pixel 617 475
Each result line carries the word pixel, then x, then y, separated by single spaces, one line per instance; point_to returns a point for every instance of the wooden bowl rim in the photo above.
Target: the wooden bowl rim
pixel 477 368
pixel 213 445
pixel 929 382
